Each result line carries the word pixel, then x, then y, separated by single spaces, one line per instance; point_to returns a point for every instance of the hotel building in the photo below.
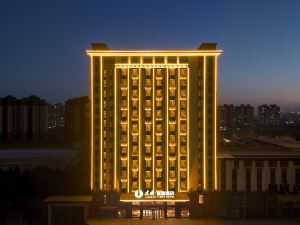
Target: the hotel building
pixel 153 119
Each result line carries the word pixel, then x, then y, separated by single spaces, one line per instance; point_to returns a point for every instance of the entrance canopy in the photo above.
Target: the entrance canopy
pixel 177 197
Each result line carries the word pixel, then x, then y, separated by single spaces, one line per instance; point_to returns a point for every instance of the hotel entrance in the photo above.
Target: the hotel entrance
pixel 154 208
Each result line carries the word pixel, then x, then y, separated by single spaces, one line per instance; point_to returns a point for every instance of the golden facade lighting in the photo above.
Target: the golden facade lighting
pixel 152 119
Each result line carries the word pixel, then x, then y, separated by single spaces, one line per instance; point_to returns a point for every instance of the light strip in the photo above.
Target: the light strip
pixel 204 124
pixel 101 123
pixel 151 65
pixel 92 124
pixel 128 131
pixel 188 128
pixel 153 129
pixel 167 128
pixel 154 53
pixel 115 128
pixel 140 129
pixel 155 200
pixel 215 123
pixel 177 77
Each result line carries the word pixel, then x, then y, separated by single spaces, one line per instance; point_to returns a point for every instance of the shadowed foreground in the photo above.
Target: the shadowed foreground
pixel 194 222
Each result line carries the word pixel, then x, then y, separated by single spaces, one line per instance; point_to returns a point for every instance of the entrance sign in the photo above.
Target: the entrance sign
pixel 154 194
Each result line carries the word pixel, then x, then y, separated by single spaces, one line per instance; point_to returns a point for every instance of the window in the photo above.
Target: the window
pixel 172 174
pixel 148 163
pixel 148 174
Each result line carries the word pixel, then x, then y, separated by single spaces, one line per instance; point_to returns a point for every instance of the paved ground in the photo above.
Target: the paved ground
pixel 193 222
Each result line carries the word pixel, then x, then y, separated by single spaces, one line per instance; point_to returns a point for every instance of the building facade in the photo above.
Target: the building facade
pixel 23 119
pixel 153 119
pixel 268 115
pixel 231 116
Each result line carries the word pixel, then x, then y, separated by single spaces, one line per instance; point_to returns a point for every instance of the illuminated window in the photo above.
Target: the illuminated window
pixel 124 185
pixel 148 103
pixel 148 174
pixel 124 149
pixel 148 82
pixel 134 114
pixel 172 113
pixel 183 113
pixel 183 72
pixel 159 113
pixel 124 93
pixel 172 138
pixel 183 139
pixel 172 103
pixel 148 127
pixel 172 149
pixel 134 163
pixel 183 83
pixel 148 114
pixel 183 174
pixel 134 138
pixel 159 127
pixel 159 138
pixel 148 93
pixel 183 127
pixel 158 184
pixel 158 163
pixel 158 150
pixel 172 83
pixel 183 104
pixel 159 59
pixel 134 185
pixel 135 93
pixel 135 83
pixel 148 163
pixel 124 138
pixel 124 163
pixel 183 185
pixel 148 138
pixel 159 82
pixel 172 174
pixel 172 185
pixel 172 127
pixel 172 72
pixel 123 113
pixel 158 93
pixel 123 175
pixel 158 103
pixel 183 93
pixel 158 173
pixel 172 163
pixel 148 185
pixel 135 72
pixel 124 72
pixel 183 163
pixel 148 149
pixel 183 150
pixel 172 93
pixel 148 71
pixel 159 72
pixel 124 103
pixel 124 128
pixel 134 150
pixel 134 127
pixel 124 83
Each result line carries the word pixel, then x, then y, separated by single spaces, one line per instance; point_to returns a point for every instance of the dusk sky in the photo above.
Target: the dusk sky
pixel 43 43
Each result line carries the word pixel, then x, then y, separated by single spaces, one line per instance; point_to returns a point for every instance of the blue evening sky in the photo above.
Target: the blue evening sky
pixel 42 43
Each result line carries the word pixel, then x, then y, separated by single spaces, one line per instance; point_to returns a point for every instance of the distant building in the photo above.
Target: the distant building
pixel 25 118
pixel 268 115
pixel 290 118
pixel 231 116
pixel 56 119
pixel 77 119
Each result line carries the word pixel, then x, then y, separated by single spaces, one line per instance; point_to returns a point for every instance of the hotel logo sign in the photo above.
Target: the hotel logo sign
pixel 154 194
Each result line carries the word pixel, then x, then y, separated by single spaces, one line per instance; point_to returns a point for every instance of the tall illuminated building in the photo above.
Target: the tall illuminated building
pixel 153 119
